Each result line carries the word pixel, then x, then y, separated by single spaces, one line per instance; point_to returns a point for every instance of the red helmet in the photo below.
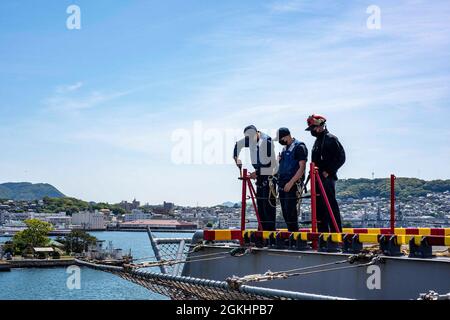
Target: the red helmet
pixel 315 120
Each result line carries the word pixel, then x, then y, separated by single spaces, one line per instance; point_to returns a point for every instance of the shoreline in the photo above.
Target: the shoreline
pixel 53 234
pixel 152 230
pixel 36 263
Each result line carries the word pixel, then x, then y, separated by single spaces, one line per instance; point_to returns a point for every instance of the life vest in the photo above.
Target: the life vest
pixel 288 164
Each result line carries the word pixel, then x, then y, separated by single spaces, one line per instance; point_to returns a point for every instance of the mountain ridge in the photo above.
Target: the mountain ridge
pixel 27 191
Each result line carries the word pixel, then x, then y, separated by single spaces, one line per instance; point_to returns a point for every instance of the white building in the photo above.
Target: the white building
pixel 89 220
pixel 58 220
pixel 6 216
pixel 137 215
pixel 227 222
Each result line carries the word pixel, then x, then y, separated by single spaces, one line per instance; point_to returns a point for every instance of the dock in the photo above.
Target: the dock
pixel 36 263
pixel 5 266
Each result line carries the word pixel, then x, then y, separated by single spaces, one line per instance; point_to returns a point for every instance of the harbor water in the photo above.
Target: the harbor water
pixel 51 283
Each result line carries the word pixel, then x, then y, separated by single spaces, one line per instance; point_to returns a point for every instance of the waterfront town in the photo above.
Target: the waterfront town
pixel 431 210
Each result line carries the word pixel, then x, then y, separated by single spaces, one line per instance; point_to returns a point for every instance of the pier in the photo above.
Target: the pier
pixel 4 266
pixel 36 263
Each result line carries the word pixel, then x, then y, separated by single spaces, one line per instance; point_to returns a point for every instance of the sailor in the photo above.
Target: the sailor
pixel 291 176
pixel 264 162
pixel 328 154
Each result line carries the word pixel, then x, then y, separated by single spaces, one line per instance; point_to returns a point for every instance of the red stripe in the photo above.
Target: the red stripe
pixel 385 231
pixel 258 234
pixel 209 235
pixel 360 231
pixel 284 235
pixel 236 234
pixel 435 240
pixel 313 236
pixel 413 231
pixel 437 232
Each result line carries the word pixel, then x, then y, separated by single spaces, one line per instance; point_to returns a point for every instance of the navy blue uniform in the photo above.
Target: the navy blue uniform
pixel 328 155
pixel 263 160
pixel 289 165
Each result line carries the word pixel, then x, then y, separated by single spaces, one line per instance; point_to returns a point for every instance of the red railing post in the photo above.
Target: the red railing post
pixel 327 202
pixel 312 176
pixel 253 196
pixel 392 204
pixel 244 203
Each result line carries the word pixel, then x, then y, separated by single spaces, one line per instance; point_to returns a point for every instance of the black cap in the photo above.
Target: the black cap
pixel 250 127
pixel 283 132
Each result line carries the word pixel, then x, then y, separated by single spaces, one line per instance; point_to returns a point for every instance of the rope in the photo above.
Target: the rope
pixel 180 287
pixel 331 269
pixel 443 253
pixel 269 275
pixel 272 193
pixel 237 252
pixel 169 262
pixel 195 249
pixel 300 189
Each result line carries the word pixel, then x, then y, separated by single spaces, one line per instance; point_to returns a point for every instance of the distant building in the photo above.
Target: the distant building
pixel 106 212
pixel 89 220
pixel 14 216
pixel 129 206
pixel 59 220
pixel 137 214
pixel 226 222
pixel 165 209
pixel 158 224
pixel 169 206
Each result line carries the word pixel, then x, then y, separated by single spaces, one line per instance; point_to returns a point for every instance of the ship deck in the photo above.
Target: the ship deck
pixel 395 272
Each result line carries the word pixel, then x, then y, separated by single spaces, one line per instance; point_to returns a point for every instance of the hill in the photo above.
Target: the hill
pixel 228 204
pixel 28 191
pixel 405 187
pixel 72 205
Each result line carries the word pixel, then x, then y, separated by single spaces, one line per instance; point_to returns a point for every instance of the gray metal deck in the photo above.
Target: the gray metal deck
pixel 395 278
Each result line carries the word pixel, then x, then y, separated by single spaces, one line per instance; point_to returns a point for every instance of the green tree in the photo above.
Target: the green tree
pixel 8 247
pixel 34 236
pixel 347 225
pixel 77 241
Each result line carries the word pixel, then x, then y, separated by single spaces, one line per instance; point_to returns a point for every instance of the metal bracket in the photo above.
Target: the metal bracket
pixel 420 251
pixel 328 245
pixel 351 243
pixel 246 239
pixel 258 241
pixel 281 243
pixel 272 241
pixel 298 243
pixel 389 246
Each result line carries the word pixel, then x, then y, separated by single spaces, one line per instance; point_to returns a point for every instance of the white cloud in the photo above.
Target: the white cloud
pixel 288 6
pixel 69 98
pixel 370 83
pixel 69 88
pixel 340 65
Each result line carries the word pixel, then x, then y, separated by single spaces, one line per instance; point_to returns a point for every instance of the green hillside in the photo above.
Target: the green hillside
pixel 28 191
pixel 360 188
pixel 71 205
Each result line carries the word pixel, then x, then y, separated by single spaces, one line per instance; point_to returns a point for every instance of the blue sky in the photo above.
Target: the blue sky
pixel 93 111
